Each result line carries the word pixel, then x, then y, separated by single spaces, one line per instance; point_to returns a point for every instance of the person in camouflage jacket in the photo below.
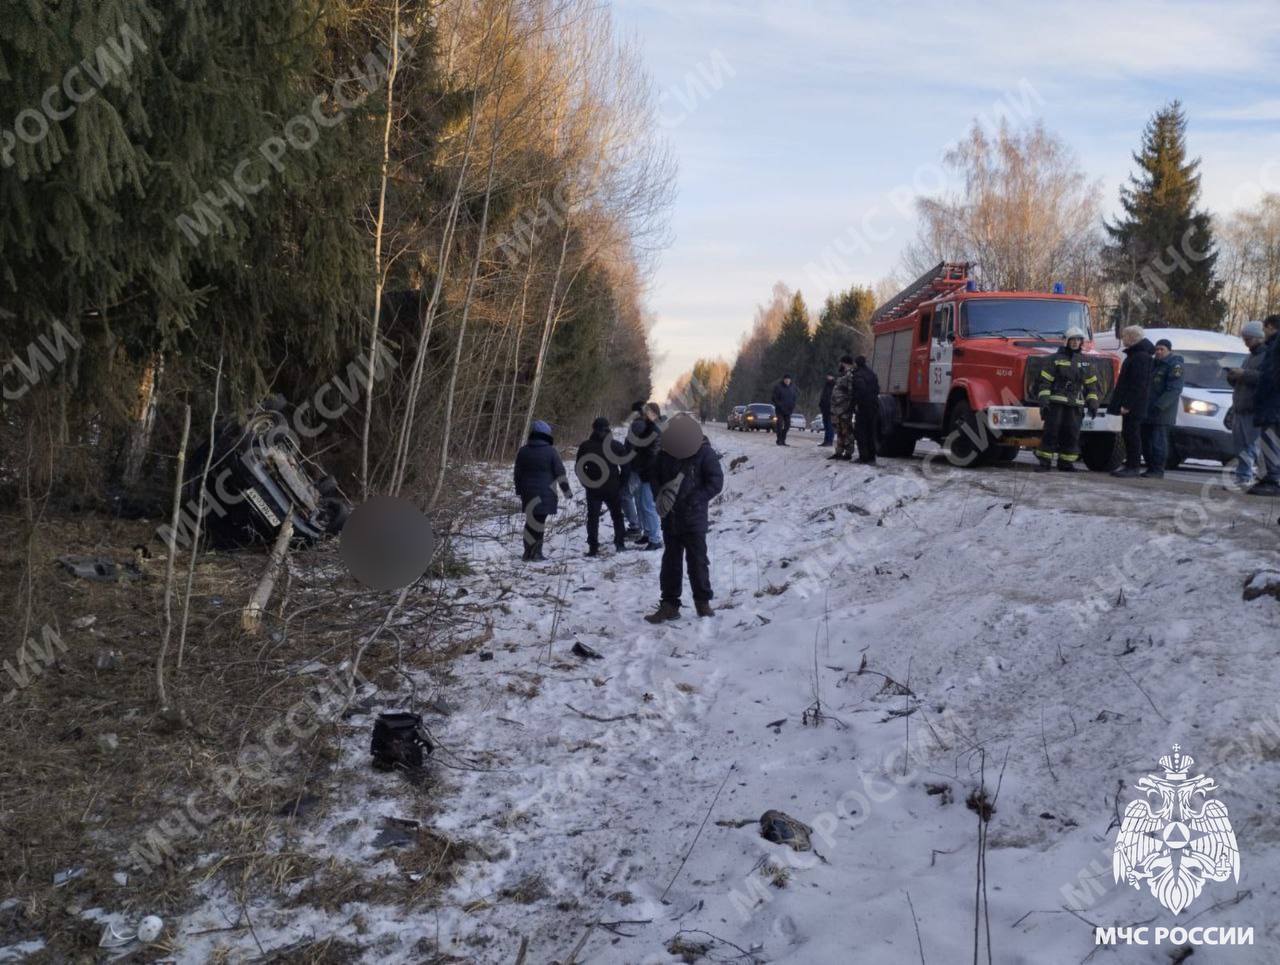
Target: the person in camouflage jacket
pixel 842 410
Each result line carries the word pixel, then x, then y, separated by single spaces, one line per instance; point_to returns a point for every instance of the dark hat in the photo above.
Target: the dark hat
pixel 860 361
pixel 600 424
pixel 1166 343
pixel 846 359
pixel 637 406
pixel 1272 321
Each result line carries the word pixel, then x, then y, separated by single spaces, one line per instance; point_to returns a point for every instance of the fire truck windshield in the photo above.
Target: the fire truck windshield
pixel 1007 317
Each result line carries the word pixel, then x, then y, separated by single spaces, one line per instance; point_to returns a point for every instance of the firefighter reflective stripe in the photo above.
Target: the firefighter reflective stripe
pixel 1048 386
pixel 1068 456
pixel 1091 383
pixel 1041 454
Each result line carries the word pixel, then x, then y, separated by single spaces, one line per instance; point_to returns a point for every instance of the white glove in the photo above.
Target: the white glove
pixel 667 495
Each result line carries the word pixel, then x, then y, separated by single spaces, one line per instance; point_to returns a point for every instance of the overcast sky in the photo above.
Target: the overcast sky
pixel 803 129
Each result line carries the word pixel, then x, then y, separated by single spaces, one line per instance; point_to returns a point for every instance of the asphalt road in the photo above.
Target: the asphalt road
pixel 1191 477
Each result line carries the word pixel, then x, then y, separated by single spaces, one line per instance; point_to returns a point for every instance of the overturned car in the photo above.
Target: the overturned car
pixel 258 476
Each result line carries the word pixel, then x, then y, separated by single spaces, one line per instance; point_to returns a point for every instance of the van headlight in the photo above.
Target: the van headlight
pixel 1198 407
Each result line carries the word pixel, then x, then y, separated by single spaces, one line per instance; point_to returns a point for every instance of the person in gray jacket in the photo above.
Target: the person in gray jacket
pixel 1244 384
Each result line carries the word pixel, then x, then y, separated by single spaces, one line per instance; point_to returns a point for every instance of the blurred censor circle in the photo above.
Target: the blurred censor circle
pixel 387 543
pixel 682 436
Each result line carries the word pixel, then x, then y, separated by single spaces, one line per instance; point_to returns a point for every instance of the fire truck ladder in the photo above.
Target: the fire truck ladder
pixel 943 277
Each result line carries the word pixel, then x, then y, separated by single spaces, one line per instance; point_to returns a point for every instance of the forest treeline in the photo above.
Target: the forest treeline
pixel 203 203
pixel 1026 215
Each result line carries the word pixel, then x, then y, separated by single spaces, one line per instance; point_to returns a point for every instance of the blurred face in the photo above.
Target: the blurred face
pixel 1074 344
pixel 1162 352
pixel 1270 330
pixel 787 380
pixel 1252 342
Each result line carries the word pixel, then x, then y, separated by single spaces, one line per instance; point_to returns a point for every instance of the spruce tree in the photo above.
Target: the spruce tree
pixel 1161 254
pixel 789 353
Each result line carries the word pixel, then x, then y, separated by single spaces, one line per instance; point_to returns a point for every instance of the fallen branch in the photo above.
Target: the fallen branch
pixel 251 615
pixel 169 560
pixel 601 720
pixel 694 842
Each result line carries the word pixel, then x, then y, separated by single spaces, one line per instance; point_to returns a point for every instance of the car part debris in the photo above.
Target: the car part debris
pixel 585 652
pixel 399 741
pixel 781 828
pixel 108 660
pixel 149 929
pixel 99 569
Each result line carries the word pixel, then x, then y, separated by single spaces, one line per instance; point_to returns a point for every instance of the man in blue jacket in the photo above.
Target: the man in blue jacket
pixel 1162 409
pixel 538 471
pixel 686 476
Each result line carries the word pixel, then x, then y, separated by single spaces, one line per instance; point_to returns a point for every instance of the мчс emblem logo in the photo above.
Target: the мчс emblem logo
pixel 1176 837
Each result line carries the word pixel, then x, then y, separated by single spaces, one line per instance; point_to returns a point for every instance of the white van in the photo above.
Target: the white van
pixel 1206 395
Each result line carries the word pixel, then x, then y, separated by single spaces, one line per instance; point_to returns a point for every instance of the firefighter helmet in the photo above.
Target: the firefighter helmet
pixel 1075 331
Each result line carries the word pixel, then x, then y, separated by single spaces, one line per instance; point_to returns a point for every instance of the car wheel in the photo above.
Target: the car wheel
pixel 1102 451
pixel 967 443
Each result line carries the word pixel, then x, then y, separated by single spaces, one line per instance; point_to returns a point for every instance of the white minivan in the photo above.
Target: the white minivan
pixel 1206 395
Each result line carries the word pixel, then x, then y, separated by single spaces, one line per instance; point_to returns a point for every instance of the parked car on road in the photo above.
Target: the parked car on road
pixel 797 421
pixel 736 414
pixel 1200 432
pixel 817 424
pixel 759 415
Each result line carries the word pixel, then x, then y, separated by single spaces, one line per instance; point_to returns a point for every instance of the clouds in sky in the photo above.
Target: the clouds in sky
pixel 792 121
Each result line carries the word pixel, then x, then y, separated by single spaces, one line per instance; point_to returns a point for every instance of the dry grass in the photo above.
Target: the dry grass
pixel 72 797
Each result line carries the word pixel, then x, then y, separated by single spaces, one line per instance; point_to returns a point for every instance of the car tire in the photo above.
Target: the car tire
pixel 962 431
pixel 1102 451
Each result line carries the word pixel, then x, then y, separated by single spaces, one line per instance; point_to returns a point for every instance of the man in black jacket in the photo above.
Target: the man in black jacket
pixel 1132 396
pixel 784 403
pixel 686 477
pixel 824 407
pixel 866 407
pixel 598 468
pixel 538 471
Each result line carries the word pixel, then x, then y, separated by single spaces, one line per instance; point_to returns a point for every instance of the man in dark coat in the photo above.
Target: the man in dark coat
pixel 842 410
pixel 683 488
pixel 824 406
pixel 1244 395
pixel 1162 410
pixel 1267 410
pixel 784 403
pixel 1068 386
pixel 538 472
pixel 866 407
pixel 645 441
pixel 1132 395
pixel 599 469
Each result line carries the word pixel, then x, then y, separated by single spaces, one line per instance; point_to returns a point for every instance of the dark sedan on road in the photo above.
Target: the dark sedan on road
pixel 759 415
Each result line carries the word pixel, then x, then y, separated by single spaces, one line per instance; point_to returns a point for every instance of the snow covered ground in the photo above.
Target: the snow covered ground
pixel 1059 633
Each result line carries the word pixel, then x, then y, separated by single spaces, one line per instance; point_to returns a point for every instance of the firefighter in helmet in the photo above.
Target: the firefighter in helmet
pixel 1068 386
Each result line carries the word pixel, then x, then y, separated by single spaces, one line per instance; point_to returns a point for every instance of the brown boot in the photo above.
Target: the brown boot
pixel 704 608
pixel 666 611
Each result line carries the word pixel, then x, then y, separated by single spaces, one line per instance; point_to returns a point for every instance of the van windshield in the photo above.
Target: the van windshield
pixel 1208 370
pixel 1010 317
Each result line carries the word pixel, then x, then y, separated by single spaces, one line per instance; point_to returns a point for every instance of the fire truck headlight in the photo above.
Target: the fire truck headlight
pixel 1198 407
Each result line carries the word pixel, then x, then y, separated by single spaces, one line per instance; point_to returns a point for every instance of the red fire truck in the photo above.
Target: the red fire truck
pixel 960 366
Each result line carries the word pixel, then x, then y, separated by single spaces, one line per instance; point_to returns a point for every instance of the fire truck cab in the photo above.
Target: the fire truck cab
pixel 960 366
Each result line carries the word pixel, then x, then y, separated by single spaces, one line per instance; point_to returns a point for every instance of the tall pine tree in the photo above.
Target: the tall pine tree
pixel 1161 254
